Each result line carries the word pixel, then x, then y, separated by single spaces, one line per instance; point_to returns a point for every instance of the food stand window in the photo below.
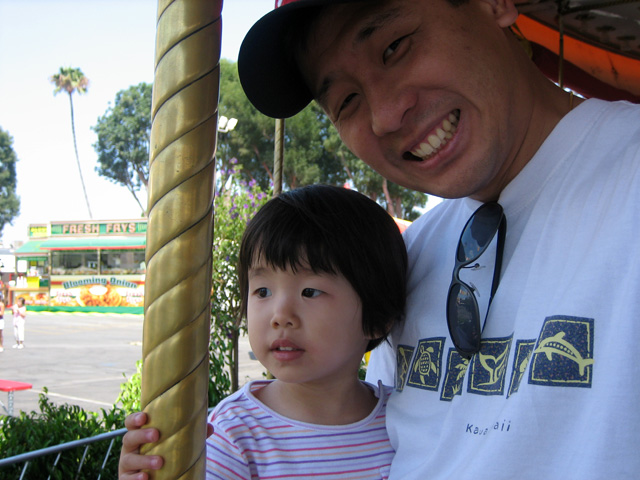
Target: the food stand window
pixel 34 266
pixel 74 262
pixel 122 262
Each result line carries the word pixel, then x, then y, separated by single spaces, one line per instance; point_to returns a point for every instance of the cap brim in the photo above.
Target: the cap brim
pixel 268 74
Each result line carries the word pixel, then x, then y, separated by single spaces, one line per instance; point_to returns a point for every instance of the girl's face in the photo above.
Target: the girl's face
pixel 304 327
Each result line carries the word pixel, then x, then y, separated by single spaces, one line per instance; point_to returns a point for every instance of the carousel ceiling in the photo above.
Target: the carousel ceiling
pixel 601 38
pixel 613 25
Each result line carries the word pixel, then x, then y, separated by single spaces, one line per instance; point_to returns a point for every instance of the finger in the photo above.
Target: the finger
pixel 209 430
pixel 133 476
pixel 133 439
pixel 132 463
pixel 135 420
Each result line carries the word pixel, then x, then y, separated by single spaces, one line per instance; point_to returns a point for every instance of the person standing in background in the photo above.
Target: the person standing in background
pixel 1 322
pixel 19 316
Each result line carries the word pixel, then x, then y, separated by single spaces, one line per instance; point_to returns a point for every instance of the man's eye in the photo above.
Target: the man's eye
pixel 310 292
pixel 391 49
pixel 346 102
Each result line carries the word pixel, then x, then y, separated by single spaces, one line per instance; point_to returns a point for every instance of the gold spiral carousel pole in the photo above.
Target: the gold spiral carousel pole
pixel 175 346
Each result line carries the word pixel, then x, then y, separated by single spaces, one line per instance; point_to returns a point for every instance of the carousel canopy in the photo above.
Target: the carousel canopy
pixel 590 46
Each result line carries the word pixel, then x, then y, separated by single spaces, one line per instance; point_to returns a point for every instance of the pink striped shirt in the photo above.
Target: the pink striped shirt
pixel 250 441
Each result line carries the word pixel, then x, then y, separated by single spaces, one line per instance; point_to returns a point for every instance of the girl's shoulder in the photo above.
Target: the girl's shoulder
pixel 241 401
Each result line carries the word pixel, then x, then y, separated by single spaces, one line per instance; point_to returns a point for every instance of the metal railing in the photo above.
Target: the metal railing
pixel 26 458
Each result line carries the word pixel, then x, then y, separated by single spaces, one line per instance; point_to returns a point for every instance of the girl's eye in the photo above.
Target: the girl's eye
pixel 263 292
pixel 310 292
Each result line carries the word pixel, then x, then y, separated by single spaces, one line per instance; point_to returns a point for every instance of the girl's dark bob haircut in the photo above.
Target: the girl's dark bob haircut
pixel 337 231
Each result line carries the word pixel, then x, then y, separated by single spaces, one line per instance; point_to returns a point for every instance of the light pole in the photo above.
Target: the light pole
pixel 225 125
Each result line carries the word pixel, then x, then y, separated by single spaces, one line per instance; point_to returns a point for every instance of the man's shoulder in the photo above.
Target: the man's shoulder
pixel 620 116
pixel 440 217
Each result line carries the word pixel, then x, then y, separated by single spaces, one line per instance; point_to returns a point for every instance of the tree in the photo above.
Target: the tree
pixel 9 201
pixel 252 140
pixel 313 150
pixel 398 201
pixel 72 80
pixel 123 139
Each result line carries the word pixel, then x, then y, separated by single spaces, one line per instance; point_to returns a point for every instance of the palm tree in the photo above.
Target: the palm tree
pixel 72 80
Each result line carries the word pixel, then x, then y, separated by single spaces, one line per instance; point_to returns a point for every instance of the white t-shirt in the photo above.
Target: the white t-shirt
pixel 554 392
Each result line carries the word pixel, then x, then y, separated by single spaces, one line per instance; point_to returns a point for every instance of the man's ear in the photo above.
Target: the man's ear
pixel 504 11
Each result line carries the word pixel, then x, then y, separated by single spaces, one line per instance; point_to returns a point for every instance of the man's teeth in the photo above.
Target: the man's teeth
pixel 439 139
pixel 286 349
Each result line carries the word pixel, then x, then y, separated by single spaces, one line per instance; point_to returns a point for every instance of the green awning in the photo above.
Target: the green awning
pixel 30 248
pixel 85 243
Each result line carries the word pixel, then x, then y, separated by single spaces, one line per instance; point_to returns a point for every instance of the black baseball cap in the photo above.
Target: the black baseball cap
pixel 268 72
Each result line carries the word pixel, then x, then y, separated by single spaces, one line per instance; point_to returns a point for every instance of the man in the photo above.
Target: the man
pixel 440 97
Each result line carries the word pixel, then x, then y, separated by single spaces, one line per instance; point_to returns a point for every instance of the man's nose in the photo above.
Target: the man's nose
pixel 388 105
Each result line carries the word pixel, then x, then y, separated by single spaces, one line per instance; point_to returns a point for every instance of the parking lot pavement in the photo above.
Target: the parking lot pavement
pixel 82 359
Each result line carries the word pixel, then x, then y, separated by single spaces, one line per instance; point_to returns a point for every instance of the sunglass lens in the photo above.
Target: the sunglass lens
pixel 463 318
pixel 479 231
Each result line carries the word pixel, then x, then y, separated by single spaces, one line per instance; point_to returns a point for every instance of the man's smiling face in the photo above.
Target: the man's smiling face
pixel 421 91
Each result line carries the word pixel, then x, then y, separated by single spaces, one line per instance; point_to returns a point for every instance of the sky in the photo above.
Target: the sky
pixel 113 43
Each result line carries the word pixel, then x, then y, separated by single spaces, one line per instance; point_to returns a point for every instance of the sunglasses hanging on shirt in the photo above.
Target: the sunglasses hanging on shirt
pixel 463 313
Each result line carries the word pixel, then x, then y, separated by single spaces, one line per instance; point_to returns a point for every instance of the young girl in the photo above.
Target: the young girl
pixel 19 316
pixel 322 277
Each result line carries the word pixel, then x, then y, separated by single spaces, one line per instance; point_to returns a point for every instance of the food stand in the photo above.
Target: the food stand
pixel 96 266
pixel 31 270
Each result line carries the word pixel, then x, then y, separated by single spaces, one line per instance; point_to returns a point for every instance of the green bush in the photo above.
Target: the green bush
pixel 234 206
pixel 54 425
pixel 129 397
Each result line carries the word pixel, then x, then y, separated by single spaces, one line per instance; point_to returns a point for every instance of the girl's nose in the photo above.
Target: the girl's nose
pixel 284 315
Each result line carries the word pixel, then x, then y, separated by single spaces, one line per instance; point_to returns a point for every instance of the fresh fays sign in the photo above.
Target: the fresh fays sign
pixel 98 228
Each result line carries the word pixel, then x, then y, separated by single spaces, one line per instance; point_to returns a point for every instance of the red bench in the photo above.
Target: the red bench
pixel 11 386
